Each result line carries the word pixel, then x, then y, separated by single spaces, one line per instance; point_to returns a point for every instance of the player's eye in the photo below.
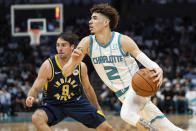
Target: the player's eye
pixel 64 45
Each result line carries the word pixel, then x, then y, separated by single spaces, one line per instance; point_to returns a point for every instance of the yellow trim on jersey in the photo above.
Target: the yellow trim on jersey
pixel 45 88
pixel 57 62
pixel 100 113
pixel 52 70
pixel 80 74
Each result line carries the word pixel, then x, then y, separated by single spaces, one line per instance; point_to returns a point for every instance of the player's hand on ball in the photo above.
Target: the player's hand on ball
pixel 29 101
pixel 157 75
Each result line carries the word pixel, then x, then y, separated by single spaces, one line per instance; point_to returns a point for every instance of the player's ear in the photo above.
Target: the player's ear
pixel 72 46
pixel 106 22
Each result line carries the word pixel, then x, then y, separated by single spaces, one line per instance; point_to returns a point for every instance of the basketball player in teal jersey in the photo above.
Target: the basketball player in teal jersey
pixel 63 96
pixel 110 53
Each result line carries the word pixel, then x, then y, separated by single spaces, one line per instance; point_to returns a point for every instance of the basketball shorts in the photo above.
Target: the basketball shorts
pixel 82 111
pixel 135 106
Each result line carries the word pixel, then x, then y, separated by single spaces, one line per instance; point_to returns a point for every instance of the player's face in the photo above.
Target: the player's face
pixel 64 49
pixel 97 23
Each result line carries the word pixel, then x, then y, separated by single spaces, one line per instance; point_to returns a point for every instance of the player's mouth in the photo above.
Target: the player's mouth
pixel 90 28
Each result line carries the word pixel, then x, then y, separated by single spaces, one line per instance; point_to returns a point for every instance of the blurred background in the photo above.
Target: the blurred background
pixel 163 29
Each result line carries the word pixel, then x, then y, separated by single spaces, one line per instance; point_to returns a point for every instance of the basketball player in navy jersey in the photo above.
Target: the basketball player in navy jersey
pixel 64 96
pixel 113 56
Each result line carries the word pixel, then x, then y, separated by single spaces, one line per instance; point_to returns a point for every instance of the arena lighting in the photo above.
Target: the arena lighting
pixel 57 12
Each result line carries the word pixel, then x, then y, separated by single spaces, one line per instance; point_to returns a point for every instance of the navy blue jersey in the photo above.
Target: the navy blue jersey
pixel 60 89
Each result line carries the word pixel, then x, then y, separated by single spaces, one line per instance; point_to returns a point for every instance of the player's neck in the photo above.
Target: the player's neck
pixel 62 61
pixel 104 36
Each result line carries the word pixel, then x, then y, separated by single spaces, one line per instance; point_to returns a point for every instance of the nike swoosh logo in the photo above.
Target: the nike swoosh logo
pixel 78 98
pixel 57 72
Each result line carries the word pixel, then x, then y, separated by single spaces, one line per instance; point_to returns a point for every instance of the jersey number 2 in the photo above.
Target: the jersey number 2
pixel 112 72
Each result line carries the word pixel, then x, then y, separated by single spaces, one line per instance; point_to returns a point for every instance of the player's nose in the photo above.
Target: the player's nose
pixel 90 21
pixel 60 49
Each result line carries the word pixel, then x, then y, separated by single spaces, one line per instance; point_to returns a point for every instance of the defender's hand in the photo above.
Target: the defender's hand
pixel 29 101
pixel 157 75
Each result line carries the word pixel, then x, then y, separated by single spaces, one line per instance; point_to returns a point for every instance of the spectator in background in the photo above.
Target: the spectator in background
pixel 180 101
pixel 191 97
pixel 5 101
pixel 20 99
pixel 168 97
pixel 117 106
pixel 107 98
pixel 191 76
pixel 157 101
pixel 26 87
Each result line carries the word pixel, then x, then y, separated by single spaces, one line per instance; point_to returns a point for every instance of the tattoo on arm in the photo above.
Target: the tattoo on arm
pixel 147 125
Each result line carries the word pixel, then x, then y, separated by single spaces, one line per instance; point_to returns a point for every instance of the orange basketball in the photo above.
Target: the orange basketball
pixel 142 84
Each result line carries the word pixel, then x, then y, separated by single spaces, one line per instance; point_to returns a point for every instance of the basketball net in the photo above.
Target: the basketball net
pixel 34 36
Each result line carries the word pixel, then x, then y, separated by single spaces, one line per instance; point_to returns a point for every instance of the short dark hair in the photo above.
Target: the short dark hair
pixel 72 38
pixel 109 12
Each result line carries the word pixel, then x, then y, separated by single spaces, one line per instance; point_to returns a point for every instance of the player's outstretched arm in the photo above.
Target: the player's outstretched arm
pixel 129 46
pixel 43 74
pixel 76 56
pixel 88 89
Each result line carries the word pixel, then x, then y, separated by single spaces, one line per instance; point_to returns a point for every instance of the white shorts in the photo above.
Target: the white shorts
pixel 138 106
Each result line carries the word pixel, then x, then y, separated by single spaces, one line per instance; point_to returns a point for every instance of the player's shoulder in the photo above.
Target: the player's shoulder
pixel 86 39
pixel 46 65
pixel 46 62
pixel 45 69
pixel 124 39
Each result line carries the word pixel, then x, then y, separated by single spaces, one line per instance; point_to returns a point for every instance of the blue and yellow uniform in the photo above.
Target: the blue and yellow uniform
pixel 63 97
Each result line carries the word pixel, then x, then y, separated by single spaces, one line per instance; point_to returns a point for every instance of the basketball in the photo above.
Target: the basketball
pixel 143 84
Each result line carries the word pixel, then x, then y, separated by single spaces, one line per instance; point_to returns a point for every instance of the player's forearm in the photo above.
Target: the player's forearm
pixel 145 61
pixel 32 92
pixel 93 99
pixel 68 68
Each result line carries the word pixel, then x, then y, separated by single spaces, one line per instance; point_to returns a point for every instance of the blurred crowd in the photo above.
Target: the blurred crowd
pixel 170 42
pixel 90 2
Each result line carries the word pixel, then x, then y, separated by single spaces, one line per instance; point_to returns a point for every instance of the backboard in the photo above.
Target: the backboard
pixel 46 17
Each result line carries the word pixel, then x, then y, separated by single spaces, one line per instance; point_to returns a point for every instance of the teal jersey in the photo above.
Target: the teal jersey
pixel 113 66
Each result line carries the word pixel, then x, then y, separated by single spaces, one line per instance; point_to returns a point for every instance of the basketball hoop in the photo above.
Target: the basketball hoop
pixel 35 36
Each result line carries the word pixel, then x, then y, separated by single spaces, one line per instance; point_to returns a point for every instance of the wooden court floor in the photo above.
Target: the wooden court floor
pixel 186 122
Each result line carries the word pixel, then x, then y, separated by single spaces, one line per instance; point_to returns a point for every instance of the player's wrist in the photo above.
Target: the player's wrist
pixel 30 96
